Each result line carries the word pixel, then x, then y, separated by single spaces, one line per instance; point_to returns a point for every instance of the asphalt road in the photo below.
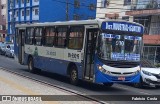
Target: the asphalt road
pixel 83 87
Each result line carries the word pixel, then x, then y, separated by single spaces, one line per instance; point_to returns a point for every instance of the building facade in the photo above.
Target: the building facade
pixel 114 9
pixel 147 13
pixel 3 20
pixel 33 11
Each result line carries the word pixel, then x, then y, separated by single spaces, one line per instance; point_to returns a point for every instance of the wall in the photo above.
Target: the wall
pixel 114 6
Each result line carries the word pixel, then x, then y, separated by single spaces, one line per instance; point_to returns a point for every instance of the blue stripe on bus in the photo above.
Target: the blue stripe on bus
pixel 54 65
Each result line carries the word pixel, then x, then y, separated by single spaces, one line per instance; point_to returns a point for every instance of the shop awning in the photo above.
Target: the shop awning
pixel 142 12
pixel 151 39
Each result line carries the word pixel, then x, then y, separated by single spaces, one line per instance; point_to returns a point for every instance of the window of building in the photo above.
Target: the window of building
pixel 103 3
pixel 3 17
pixel 76 3
pixel 3 26
pixel 76 38
pixel 22 2
pixel 29 36
pixel 76 17
pixel 27 1
pixel 126 18
pixel 36 11
pixel 4 35
pixel 145 21
pixel 22 12
pixel 17 1
pixel 38 36
pixel 27 13
pixel 127 2
pixel 17 13
pixel 49 38
pixel 61 37
pixel 2 6
pixel 92 7
pixel 0 28
pixel 36 0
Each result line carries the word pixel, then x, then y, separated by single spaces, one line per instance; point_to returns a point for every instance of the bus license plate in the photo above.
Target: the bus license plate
pixel 121 78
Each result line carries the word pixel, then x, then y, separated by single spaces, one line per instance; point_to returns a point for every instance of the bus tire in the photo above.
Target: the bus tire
pixel 73 75
pixel 108 84
pixel 31 65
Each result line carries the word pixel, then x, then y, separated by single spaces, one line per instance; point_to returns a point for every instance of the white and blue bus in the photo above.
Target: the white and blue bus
pixel 99 51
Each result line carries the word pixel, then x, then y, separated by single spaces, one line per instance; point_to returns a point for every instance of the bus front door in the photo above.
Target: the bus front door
pixel 91 36
pixel 21 46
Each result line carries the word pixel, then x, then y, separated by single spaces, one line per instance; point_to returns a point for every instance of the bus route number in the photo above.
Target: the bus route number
pixel 73 55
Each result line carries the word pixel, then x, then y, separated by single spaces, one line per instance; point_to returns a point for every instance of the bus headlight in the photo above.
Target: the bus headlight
pixel 103 70
pixel 100 67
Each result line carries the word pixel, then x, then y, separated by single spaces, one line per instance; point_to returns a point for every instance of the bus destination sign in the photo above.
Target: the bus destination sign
pixel 122 26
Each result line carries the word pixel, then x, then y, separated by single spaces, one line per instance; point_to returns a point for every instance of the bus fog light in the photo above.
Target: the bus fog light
pixel 108 72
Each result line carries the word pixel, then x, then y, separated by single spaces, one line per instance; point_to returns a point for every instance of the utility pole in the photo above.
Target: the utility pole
pixel 67 18
pixel 12 16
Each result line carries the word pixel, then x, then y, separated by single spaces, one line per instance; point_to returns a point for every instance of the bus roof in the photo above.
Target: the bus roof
pixel 73 22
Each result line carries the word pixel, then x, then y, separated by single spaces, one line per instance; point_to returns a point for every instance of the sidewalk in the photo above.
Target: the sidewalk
pixel 11 84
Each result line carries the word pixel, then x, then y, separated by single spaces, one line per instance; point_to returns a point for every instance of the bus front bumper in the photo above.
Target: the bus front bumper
pixel 104 78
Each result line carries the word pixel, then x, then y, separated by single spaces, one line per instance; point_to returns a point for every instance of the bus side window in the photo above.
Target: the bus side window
pixel 76 37
pixel 49 36
pixel 61 37
pixel 38 36
pixel 29 36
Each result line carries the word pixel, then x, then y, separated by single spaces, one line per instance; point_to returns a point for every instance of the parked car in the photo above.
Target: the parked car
pixel 10 50
pixel 150 75
pixel 1 44
pixel 2 48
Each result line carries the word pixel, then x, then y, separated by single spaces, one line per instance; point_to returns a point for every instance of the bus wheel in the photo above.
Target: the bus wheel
pixel 108 84
pixel 73 75
pixel 31 65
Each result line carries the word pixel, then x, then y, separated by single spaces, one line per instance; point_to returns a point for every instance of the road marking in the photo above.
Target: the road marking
pixel 23 89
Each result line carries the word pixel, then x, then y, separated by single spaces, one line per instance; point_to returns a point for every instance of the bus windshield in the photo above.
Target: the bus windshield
pixel 119 47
